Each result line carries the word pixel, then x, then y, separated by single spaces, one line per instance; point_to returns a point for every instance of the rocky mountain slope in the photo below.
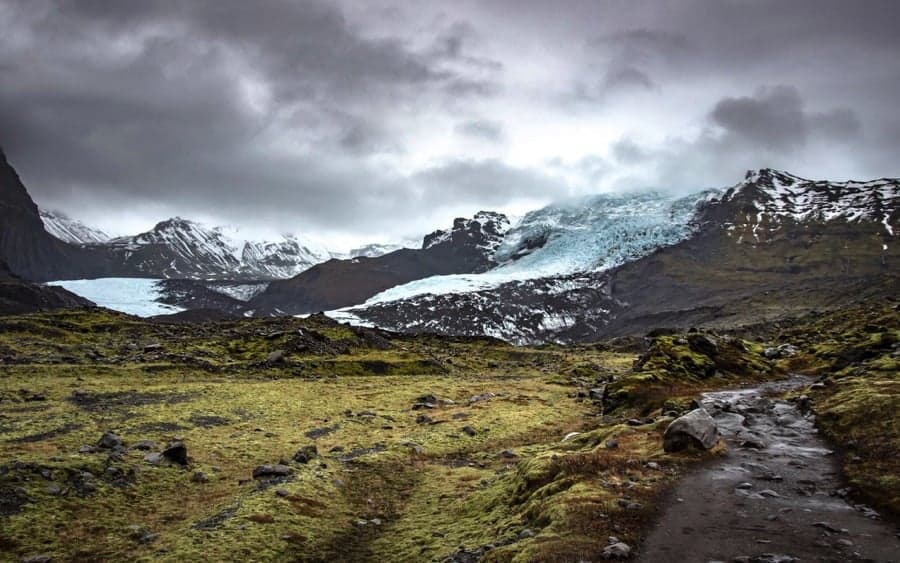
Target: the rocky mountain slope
pixel 18 296
pixel 468 246
pixel 179 248
pixel 772 243
pixel 27 248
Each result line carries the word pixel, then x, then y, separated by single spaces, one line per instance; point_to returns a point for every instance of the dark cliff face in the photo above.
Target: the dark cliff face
pixel 468 247
pixel 29 251
pixel 18 296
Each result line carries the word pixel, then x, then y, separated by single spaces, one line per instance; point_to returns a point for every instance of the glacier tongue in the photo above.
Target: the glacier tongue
pixel 592 234
pixel 135 296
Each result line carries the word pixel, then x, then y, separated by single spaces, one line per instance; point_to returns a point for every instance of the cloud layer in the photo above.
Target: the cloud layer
pixel 371 121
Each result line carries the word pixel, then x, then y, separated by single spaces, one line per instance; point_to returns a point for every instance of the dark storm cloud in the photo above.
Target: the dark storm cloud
pixel 775 118
pixel 344 115
pixel 489 181
pixel 145 101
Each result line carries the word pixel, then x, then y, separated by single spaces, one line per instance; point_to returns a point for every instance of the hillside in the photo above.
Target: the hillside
pixel 772 245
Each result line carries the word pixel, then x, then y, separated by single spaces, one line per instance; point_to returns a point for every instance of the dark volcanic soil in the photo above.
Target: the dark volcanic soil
pixel 775 497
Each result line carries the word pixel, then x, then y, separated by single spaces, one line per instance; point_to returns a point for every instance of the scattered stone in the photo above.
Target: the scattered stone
pixel 703 344
pixel 283 493
pixel 154 458
pixel 844 542
pixel 612 444
pixel 469 431
pixel 754 444
pixel 482 397
pixel 460 416
pixel 199 477
pixel 87 449
pixel 145 445
pixel 569 436
pixel 596 394
pixel 424 419
pixel 109 441
pixel 275 470
pixel 415 447
pixel 769 493
pixel 176 452
pixel 828 527
pixel 618 550
pixel 783 351
pixel 653 465
pixel 695 428
pixel 306 454
pixel 37 559
pixel 141 534
pixel 508 454
pixel 526 533
pixel 745 486
pixel 276 357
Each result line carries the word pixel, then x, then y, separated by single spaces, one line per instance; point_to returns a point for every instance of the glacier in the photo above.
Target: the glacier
pixel 135 296
pixel 595 233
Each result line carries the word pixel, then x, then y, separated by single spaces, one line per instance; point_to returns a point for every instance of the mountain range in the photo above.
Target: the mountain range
pixel 605 265
pixel 773 244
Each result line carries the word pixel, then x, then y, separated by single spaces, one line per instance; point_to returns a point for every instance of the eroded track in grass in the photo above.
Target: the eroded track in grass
pixel 775 497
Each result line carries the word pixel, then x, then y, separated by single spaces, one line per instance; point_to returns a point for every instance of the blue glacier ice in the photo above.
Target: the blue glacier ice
pixel 591 234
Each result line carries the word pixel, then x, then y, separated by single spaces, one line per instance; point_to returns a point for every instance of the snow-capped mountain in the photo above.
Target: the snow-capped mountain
pixel 716 254
pixel 375 250
pixel 70 230
pixel 282 259
pixel 467 247
pixel 770 199
pixel 179 248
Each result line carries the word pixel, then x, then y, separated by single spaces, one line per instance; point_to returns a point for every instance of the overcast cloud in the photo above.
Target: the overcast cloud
pixel 372 120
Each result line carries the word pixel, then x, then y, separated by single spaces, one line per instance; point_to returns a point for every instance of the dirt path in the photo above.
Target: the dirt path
pixel 773 498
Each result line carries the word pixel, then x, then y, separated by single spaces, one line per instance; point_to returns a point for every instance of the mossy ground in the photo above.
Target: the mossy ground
pixel 385 486
pixel 488 467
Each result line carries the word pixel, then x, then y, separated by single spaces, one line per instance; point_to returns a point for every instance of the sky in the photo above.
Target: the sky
pixel 376 120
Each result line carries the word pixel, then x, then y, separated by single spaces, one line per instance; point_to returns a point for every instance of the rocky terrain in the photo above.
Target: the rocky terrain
pixel 307 440
pixel 18 296
pixel 467 247
pixel 27 248
pixel 774 244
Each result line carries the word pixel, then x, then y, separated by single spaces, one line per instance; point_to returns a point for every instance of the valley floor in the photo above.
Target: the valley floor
pixel 305 440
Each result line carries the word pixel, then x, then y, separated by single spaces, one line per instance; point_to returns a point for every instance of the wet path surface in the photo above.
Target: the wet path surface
pixel 775 497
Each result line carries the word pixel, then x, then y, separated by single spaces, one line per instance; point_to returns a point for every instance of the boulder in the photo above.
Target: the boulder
pixel 703 344
pixel 306 454
pixel 176 452
pixel 618 550
pixel 276 357
pixel 275 470
pixel 109 441
pixel 696 428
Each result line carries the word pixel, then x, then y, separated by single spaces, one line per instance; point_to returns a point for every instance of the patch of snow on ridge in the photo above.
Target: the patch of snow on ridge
pixel 594 234
pixel 70 230
pixel 135 296
pixel 782 196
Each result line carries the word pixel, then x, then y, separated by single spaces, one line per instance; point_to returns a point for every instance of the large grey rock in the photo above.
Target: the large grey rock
pixel 109 441
pixel 696 428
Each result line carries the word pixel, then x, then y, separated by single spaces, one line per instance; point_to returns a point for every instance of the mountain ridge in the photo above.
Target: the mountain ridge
pixel 738 255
